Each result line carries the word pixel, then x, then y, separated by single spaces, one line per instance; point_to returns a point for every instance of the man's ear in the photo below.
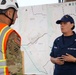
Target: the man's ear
pixel 72 26
pixel 9 12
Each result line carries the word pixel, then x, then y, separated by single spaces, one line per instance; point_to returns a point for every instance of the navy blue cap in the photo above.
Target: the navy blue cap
pixel 65 18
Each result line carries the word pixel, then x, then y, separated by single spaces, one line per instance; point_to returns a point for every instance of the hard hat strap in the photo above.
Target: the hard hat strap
pixel 12 18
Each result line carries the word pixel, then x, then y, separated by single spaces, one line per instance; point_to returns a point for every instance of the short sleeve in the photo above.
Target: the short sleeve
pixel 52 54
pixel 13 53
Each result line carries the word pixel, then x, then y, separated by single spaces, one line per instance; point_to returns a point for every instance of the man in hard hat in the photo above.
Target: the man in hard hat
pixel 10 41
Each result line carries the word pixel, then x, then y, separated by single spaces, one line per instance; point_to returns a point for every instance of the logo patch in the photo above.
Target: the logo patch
pixel 71 48
pixel 55 47
pixel 17 41
pixel 3 2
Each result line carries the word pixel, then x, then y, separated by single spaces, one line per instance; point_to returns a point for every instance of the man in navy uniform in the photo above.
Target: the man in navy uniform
pixel 63 53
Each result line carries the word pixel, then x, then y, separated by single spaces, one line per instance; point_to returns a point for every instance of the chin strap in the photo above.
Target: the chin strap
pixel 12 19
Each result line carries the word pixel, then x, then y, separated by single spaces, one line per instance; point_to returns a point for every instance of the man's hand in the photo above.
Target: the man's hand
pixel 68 58
pixel 58 60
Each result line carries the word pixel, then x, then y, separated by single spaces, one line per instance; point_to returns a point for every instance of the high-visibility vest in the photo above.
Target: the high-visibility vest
pixel 5 31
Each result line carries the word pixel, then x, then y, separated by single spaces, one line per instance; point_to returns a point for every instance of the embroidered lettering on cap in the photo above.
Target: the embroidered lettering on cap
pixel 66 16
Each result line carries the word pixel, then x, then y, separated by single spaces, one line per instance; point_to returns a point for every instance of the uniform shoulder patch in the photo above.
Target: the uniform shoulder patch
pixel 14 36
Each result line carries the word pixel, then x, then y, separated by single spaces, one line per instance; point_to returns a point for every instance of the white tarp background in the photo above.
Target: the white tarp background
pixel 37 27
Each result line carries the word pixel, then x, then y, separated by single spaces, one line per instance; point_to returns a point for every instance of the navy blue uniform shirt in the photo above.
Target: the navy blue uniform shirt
pixel 61 46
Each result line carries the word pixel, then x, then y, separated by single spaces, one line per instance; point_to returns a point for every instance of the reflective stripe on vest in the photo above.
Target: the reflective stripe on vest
pixel 4 33
pixel 1 42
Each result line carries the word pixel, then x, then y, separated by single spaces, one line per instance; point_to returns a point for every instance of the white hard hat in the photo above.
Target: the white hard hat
pixel 5 4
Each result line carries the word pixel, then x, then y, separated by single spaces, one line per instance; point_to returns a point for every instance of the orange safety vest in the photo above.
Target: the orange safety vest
pixel 5 31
